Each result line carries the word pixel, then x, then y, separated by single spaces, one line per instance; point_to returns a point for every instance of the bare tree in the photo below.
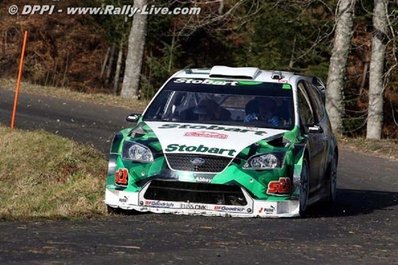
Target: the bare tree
pixel 338 61
pixel 136 43
pixel 110 64
pixel 376 84
pixel 118 67
pixel 104 63
pixel 137 35
pixel 223 16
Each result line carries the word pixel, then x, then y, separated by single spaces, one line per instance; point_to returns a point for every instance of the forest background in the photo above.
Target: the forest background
pixel 87 53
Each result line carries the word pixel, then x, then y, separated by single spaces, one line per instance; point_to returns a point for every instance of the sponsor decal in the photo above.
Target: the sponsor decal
pixel 124 199
pixel 228 208
pixel 212 127
pixel 205 82
pixel 206 134
pixel 122 177
pixel 269 210
pixel 281 186
pixel 193 206
pixel 199 149
pixel 159 204
pixel 203 179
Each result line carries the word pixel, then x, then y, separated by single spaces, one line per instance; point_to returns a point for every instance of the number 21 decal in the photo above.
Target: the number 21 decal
pixel 122 177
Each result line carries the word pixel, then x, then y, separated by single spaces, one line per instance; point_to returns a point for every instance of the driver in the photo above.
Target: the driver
pixel 263 109
pixel 206 110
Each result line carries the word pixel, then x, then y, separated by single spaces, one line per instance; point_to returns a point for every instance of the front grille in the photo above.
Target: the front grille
pixel 195 193
pixel 183 162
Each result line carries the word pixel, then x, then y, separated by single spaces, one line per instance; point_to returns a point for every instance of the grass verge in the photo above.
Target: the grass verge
pixel 386 148
pixel 58 92
pixel 46 176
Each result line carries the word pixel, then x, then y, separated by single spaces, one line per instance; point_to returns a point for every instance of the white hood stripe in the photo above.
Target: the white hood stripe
pixel 218 140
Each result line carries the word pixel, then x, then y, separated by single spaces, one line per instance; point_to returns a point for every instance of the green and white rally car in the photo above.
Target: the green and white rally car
pixel 226 142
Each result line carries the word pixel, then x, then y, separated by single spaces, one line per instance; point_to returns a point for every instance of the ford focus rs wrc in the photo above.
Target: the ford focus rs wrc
pixel 226 142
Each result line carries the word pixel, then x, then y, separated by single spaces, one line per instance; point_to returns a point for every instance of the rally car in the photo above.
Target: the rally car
pixel 226 141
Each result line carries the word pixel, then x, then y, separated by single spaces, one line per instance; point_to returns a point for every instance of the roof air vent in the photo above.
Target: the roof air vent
pixel 249 73
pixel 277 75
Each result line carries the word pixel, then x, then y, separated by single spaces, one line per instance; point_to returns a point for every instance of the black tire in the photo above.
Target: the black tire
pixel 112 211
pixel 332 182
pixel 119 211
pixel 304 188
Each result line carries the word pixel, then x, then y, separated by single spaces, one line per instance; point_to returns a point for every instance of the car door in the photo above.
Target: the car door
pixel 315 133
pixel 323 122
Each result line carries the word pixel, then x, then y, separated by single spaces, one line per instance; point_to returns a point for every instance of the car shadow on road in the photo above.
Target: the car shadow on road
pixel 356 202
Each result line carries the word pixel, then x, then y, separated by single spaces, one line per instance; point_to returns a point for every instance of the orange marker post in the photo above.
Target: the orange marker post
pixel 14 111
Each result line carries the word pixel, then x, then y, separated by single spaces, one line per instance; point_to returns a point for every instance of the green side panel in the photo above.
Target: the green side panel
pixel 245 152
pixel 255 181
pixel 137 172
pixel 293 135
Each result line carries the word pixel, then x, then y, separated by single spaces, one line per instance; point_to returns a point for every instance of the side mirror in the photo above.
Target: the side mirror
pixel 133 117
pixel 315 129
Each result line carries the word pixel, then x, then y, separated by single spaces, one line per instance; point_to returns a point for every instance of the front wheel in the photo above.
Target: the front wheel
pixel 304 188
pixel 119 211
pixel 111 210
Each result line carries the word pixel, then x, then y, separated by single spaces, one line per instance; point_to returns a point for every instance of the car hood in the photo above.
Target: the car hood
pixel 210 139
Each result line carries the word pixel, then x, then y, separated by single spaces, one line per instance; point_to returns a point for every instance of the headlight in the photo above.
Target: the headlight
pixel 264 161
pixel 137 152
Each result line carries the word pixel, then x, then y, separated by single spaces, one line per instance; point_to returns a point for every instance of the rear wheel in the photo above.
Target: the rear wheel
pixel 332 178
pixel 304 188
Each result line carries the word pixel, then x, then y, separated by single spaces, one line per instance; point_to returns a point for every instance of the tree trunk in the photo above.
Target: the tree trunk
pixel 364 77
pixel 118 67
pixel 291 63
pixel 104 63
pixel 376 86
pixel 110 64
pixel 338 61
pixel 135 53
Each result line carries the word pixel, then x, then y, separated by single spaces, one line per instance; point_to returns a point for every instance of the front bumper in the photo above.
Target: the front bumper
pixel 254 208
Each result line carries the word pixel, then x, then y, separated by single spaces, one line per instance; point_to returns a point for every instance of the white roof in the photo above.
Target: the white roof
pixel 240 73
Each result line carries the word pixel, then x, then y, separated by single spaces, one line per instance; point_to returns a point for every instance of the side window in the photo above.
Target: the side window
pixel 317 101
pixel 304 106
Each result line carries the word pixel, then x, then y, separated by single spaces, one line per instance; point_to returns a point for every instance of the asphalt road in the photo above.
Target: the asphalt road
pixel 362 228
pixel 85 122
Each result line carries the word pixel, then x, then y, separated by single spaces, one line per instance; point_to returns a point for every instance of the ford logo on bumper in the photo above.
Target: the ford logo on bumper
pixel 197 161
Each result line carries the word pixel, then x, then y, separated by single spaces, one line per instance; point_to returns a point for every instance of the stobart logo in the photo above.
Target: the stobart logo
pixel 206 82
pixel 211 127
pixel 199 149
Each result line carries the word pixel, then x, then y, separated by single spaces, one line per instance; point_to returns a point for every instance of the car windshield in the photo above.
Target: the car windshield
pixel 213 101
